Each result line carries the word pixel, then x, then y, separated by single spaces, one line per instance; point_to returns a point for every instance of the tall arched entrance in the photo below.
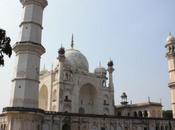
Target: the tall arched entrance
pixel 43 98
pixel 87 99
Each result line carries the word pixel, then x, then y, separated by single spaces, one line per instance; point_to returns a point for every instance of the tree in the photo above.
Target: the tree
pixel 168 114
pixel 5 47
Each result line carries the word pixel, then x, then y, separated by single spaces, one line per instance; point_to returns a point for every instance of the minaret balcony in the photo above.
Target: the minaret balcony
pixel 28 47
pixel 42 3
pixel 171 84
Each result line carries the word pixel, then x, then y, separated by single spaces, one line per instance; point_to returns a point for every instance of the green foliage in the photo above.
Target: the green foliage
pixel 5 47
pixel 167 114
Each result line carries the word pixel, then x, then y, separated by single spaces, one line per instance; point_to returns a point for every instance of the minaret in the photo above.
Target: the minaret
pixel 61 58
pixel 111 86
pixel 170 45
pixel 28 51
pixel 110 70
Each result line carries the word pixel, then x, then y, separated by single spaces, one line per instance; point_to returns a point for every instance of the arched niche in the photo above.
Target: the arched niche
pixel 106 111
pixel 135 114
pixel 67 108
pixel 54 108
pixel 145 113
pixel 87 98
pixel 106 100
pixel 81 110
pixel 43 97
pixel 140 114
pixel 54 95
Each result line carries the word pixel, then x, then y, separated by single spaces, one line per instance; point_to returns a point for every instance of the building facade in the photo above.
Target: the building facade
pixel 69 97
pixel 145 109
pixel 70 87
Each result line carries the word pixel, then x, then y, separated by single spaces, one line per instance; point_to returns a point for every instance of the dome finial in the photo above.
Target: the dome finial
pixel 72 42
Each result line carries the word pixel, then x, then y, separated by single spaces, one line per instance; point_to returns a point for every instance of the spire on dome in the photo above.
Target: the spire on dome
pixel 72 42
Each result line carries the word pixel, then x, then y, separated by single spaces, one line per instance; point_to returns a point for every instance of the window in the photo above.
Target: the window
pixel 140 114
pixel 66 98
pixel 135 114
pixel 104 83
pixel 128 114
pixel 105 102
pixel 81 102
pixel 145 113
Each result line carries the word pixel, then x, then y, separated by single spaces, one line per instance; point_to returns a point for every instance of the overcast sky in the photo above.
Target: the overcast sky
pixel 130 32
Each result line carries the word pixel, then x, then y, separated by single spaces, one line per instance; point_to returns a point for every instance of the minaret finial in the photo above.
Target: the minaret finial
pixel 52 67
pixel 99 63
pixel 72 42
pixel 160 101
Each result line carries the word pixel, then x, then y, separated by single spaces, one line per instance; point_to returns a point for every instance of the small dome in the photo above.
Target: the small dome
pixel 110 63
pixel 123 95
pixel 44 71
pixel 170 38
pixel 100 71
pixel 76 60
pixel 61 51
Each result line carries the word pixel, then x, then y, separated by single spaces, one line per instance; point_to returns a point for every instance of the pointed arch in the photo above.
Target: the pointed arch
pixel 54 95
pixel 87 98
pixel 43 97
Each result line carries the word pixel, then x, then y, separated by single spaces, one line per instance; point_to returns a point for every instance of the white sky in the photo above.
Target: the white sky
pixel 132 33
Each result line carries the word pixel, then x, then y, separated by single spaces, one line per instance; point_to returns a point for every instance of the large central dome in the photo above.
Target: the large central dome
pixel 76 59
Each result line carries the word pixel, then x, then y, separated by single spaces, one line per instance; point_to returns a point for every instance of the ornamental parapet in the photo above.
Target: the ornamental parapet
pixel 42 3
